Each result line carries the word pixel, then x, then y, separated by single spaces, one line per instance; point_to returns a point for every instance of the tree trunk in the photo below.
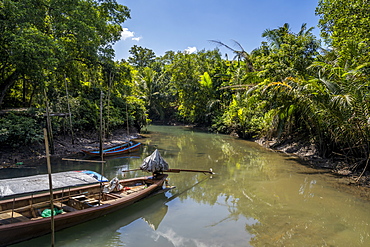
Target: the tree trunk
pixel 7 84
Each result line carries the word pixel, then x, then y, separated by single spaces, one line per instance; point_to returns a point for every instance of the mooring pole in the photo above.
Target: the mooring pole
pixel 50 186
pixel 48 124
pixel 101 144
pixel 101 125
pixel 128 128
pixel 69 110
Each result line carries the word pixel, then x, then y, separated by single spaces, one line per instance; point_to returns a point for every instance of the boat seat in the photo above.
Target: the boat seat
pixel 80 197
pixel 91 202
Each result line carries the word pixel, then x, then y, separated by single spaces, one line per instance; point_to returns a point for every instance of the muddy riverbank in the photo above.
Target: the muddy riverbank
pixel 63 146
pixel 306 154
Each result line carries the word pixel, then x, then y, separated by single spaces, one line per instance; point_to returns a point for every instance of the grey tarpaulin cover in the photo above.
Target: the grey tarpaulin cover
pixel 154 163
pixel 37 183
pixel 113 185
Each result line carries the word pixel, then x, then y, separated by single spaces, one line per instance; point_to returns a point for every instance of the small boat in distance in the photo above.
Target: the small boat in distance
pixel 127 147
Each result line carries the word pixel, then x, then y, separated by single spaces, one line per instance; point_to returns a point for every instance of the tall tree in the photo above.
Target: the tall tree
pixel 345 26
pixel 196 89
pixel 286 53
pixel 141 57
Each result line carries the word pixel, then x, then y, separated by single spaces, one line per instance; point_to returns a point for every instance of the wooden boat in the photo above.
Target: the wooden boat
pixel 21 218
pixel 127 147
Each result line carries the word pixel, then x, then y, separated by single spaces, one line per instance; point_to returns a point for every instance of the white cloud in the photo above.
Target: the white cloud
pixel 127 34
pixel 137 38
pixel 190 50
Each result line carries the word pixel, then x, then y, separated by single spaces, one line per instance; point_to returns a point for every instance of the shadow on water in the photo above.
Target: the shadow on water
pixel 151 210
pixel 105 230
pixel 17 172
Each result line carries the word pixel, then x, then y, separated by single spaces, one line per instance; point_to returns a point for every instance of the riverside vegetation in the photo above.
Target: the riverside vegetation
pixel 57 57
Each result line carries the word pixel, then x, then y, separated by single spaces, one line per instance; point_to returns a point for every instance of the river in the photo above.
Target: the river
pixel 256 198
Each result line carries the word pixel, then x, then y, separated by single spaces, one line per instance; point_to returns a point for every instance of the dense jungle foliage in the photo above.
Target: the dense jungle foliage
pixel 58 54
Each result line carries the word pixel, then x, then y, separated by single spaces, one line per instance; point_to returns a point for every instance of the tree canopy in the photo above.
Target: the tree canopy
pixel 290 87
pixel 41 37
pixel 345 28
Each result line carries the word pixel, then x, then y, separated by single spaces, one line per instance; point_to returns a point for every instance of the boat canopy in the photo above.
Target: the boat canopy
pixel 39 183
pixel 154 163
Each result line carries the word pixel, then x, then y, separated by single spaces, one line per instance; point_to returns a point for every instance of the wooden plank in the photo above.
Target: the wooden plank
pixel 112 196
pixel 135 189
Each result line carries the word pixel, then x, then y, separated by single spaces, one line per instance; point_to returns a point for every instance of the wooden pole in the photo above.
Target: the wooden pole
pixel 177 170
pixel 50 186
pixel 48 123
pixel 187 170
pixel 101 144
pixel 69 110
pixel 13 208
pixel 110 79
pixel 128 128
pixel 101 125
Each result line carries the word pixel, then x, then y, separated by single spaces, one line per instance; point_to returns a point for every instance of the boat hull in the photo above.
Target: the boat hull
pixel 122 149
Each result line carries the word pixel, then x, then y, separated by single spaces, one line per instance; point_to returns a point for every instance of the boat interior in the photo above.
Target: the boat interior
pixel 31 207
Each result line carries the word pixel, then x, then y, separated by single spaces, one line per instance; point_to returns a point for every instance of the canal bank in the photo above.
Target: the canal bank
pixel 304 153
pixel 63 146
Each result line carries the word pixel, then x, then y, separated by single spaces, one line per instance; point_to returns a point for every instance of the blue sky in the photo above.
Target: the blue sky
pixel 178 25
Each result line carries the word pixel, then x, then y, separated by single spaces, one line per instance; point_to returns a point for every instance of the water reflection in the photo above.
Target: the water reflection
pixel 306 189
pixel 106 231
pixel 286 204
pixel 17 172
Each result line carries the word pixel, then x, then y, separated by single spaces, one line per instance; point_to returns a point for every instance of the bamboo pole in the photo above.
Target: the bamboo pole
pixel 188 170
pixel 110 79
pixel 128 128
pixel 50 187
pixel 177 170
pixel 13 208
pixel 101 144
pixel 69 110
pixel 48 124
pixel 101 125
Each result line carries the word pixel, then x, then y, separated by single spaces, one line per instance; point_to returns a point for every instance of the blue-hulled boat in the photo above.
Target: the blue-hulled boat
pixel 127 147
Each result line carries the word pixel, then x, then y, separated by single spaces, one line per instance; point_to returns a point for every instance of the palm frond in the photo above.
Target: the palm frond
pixel 330 86
pixel 219 43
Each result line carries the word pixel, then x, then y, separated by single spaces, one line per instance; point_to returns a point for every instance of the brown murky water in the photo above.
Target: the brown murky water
pixel 257 198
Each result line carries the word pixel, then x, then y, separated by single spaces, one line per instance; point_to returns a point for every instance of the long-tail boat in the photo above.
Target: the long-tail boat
pixel 27 217
pixel 127 147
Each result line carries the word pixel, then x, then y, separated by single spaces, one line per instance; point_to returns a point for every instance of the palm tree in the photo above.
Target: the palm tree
pixel 239 54
pixel 152 84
